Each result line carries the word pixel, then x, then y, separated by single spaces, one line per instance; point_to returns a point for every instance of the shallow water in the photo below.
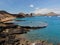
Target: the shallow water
pixel 51 33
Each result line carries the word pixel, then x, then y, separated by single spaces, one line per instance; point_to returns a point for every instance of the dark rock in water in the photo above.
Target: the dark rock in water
pixel 35 26
pixel 38 27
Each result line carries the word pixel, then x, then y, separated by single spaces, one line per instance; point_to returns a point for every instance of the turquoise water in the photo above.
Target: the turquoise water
pixel 51 33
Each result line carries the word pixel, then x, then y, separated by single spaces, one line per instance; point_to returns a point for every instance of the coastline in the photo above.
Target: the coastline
pixel 21 36
pixel 17 36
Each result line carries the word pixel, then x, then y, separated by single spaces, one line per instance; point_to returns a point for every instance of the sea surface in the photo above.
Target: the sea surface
pixel 51 33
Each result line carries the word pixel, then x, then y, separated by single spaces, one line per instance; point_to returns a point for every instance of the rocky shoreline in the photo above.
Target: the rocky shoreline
pixel 11 34
pixel 9 30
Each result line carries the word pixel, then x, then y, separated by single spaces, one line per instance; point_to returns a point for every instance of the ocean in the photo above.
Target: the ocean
pixel 51 33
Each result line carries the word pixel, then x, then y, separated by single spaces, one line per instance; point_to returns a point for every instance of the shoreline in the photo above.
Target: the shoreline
pixel 12 33
pixel 20 36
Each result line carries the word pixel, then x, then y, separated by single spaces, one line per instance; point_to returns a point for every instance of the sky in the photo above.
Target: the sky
pixel 28 6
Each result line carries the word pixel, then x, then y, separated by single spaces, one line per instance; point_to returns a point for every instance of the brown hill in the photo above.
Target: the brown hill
pixel 4 16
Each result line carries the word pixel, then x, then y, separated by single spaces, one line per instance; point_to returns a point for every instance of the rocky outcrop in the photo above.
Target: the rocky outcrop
pixel 22 15
pixel 8 32
pixel 5 16
pixel 41 42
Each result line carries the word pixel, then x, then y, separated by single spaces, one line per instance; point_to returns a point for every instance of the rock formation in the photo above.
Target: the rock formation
pixel 5 16
pixel 8 33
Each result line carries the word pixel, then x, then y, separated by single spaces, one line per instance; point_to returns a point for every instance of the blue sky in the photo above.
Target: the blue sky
pixel 16 6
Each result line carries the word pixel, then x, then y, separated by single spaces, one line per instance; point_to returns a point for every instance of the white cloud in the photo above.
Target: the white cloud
pixel 31 5
pixel 46 10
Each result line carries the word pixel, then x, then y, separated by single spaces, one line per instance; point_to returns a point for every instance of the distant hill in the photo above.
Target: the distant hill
pixel 51 14
pixel 48 14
